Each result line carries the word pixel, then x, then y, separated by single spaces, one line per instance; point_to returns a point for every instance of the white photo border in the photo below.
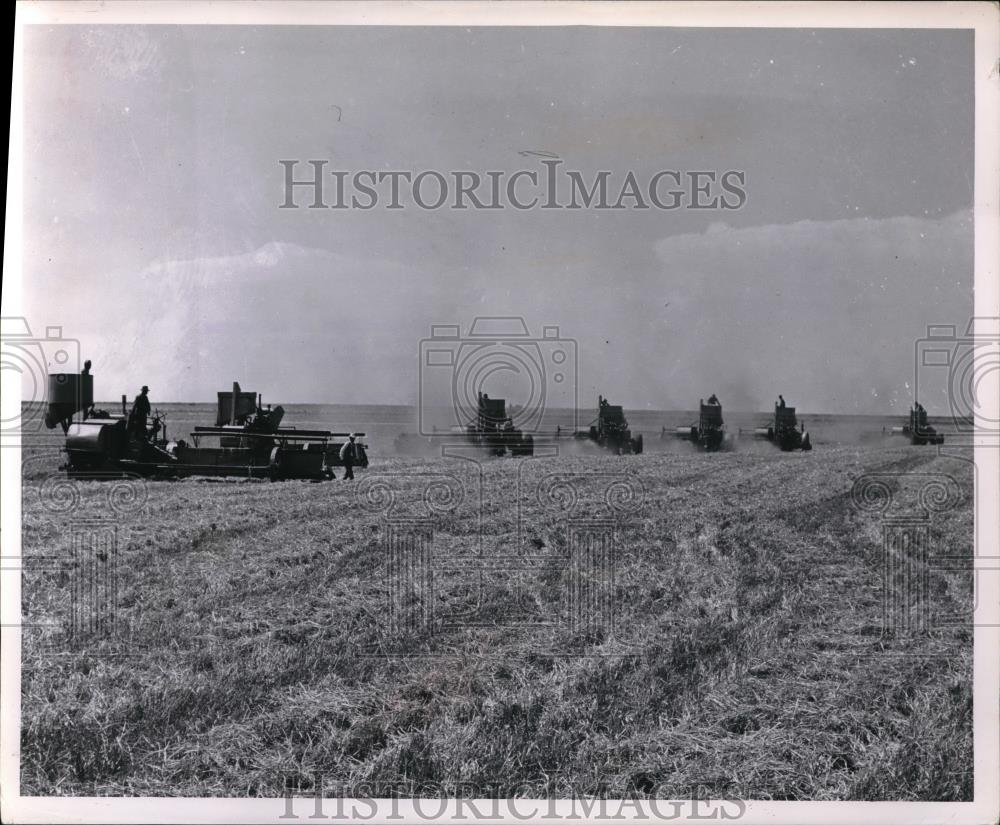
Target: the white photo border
pixel 982 17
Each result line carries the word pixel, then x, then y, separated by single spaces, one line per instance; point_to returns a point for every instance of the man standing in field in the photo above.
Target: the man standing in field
pixel 349 455
pixel 140 412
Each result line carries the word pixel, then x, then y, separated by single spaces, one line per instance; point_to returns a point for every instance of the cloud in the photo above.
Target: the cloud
pixel 825 312
pixel 295 323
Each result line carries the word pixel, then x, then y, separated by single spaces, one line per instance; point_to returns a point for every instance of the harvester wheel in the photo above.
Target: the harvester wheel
pixel 637 444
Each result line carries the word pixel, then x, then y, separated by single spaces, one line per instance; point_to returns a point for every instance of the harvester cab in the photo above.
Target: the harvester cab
pixel 710 432
pixel 242 413
pixel 610 430
pixel 491 414
pixel 494 430
pixel 785 431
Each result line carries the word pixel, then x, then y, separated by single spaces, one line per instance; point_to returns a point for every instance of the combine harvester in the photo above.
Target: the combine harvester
pixel 493 430
pixel 251 443
pixel 784 431
pixel 709 433
pixel 917 430
pixel 610 430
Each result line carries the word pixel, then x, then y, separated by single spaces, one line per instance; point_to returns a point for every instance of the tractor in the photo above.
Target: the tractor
pixel 917 430
pixel 250 441
pixel 785 431
pixel 610 430
pixel 494 431
pixel 100 443
pixel 709 433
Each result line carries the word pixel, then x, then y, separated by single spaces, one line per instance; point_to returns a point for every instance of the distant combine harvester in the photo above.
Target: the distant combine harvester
pixel 247 440
pixel 917 430
pixel 784 429
pixel 494 431
pixel 709 433
pixel 610 430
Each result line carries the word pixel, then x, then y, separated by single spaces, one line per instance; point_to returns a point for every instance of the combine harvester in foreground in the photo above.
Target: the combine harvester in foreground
pixel 610 430
pixel 917 430
pixel 247 441
pixel 709 433
pixel 784 431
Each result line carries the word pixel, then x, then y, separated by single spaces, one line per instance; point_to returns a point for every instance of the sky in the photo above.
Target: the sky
pixel 152 231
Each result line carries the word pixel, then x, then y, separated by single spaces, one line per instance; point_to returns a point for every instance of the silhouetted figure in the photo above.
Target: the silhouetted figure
pixel 140 413
pixel 349 455
pixel 88 410
pixel 713 400
pixel 781 402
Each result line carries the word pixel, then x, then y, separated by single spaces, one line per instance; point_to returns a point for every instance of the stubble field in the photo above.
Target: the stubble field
pixel 664 624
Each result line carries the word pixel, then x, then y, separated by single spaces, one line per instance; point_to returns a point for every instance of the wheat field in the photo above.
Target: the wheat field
pixel 654 625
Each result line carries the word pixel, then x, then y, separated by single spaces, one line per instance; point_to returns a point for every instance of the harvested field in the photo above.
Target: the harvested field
pixel 731 644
